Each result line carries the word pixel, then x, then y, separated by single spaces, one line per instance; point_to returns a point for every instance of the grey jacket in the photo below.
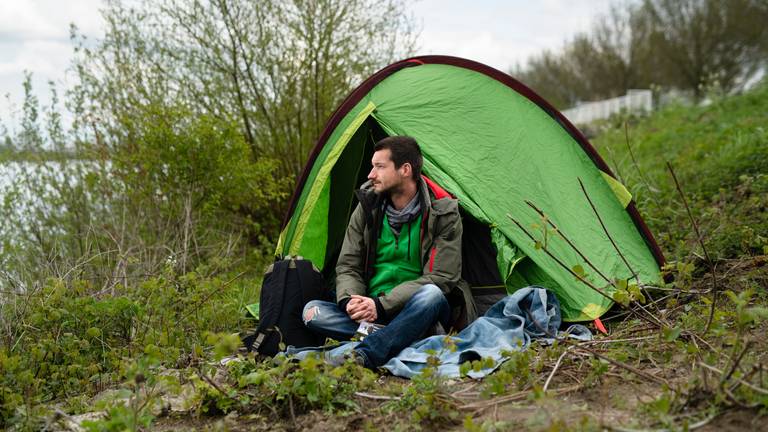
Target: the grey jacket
pixel 441 233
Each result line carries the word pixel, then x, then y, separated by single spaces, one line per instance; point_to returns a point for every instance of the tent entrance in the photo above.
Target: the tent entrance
pixel 350 171
pixel 492 265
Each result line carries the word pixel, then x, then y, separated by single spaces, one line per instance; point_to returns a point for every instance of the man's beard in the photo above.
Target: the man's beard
pixel 394 188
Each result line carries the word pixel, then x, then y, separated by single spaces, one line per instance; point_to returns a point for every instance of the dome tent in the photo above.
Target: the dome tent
pixel 494 144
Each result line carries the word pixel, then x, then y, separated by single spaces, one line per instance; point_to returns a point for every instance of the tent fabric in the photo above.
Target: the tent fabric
pixel 496 147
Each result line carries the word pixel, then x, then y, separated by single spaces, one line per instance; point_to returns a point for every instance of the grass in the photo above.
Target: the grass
pixel 676 375
pixel 720 155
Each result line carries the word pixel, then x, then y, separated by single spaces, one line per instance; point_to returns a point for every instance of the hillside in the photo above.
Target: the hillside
pixel 719 153
pixel 147 356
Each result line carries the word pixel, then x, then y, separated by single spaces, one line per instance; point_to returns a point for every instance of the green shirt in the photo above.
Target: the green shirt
pixel 398 258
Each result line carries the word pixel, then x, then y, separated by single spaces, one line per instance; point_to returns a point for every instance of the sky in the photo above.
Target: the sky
pixel 34 35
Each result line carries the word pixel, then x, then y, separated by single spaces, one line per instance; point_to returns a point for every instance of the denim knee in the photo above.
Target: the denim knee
pixel 311 311
pixel 429 295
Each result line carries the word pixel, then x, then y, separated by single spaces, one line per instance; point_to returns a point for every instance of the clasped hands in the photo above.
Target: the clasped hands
pixel 361 308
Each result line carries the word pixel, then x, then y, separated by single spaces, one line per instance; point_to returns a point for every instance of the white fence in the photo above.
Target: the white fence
pixel 635 100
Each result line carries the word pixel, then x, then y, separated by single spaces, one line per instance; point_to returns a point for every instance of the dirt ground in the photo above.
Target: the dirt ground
pixel 646 380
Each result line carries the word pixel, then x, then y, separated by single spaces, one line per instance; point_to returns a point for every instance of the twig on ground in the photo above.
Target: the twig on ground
pixel 213 384
pixel 606 341
pixel 700 240
pixel 513 397
pixel 376 397
pixel 623 365
pixel 291 410
pixel 554 369
pixel 580 346
pixel 465 390
pixel 691 426
pixel 736 363
pixel 739 380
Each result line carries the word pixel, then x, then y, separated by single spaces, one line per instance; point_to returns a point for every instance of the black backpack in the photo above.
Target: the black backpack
pixel 288 285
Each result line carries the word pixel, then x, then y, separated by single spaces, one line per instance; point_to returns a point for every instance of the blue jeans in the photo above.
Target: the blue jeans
pixel 422 311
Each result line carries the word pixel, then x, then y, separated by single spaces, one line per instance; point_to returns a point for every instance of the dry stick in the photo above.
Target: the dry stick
pixel 568 241
pixel 213 384
pixel 462 391
pixel 608 341
pixel 615 246
pixel 605 230
pixel 739 380
pixel 581 346
pixel 692 426
pixel 554 369
pixel 701 243
pixel 650 318
pixel 736 363
pixel 623 365
pixel 513 397
pixel 746 376
pixel 560 263
pixel 290 407
pixel 376 397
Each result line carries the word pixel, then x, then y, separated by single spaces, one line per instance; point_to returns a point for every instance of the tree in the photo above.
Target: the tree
pixel 602 63
pixel 703 41
pixel 686 44
pixel 168 70
pixel 191 120
pixel 278 68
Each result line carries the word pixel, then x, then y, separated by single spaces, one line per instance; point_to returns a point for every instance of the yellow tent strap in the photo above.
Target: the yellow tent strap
pixel 281 239
pixel 618 189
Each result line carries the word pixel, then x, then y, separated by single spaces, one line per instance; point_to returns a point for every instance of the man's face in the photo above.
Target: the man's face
pixel 384 175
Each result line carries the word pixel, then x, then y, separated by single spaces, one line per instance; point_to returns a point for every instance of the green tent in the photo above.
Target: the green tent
pixel 494 144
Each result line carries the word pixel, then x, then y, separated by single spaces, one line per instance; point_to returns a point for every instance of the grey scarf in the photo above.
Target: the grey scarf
pixel 397 218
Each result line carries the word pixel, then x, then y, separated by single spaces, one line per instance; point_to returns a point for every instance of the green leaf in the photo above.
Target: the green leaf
pixel 253 378
pixel 579 270
pixel 635 293
pixel 621 297
pixel 464 368
pixel 757 313
pixel 671 334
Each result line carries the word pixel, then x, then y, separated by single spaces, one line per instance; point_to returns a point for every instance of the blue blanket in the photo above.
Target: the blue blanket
pixel 531 313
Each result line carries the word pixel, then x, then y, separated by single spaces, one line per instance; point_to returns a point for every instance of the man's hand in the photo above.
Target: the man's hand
pixel 361 308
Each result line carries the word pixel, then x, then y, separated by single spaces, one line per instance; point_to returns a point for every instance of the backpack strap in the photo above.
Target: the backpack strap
pixel 275 296
pixel 306 274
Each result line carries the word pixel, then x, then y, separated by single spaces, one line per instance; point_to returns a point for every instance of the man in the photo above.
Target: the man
pixel 400 263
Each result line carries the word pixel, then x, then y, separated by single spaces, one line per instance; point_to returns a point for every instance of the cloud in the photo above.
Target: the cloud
pixel 34 36
pixel 502 33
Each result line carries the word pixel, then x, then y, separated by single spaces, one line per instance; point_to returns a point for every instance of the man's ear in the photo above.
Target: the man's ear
pixel 407 169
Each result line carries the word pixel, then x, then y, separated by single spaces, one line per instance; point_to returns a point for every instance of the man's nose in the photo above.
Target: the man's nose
pixel 371 174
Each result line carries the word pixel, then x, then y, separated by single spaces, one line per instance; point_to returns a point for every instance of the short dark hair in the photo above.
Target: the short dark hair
pixel 403 149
